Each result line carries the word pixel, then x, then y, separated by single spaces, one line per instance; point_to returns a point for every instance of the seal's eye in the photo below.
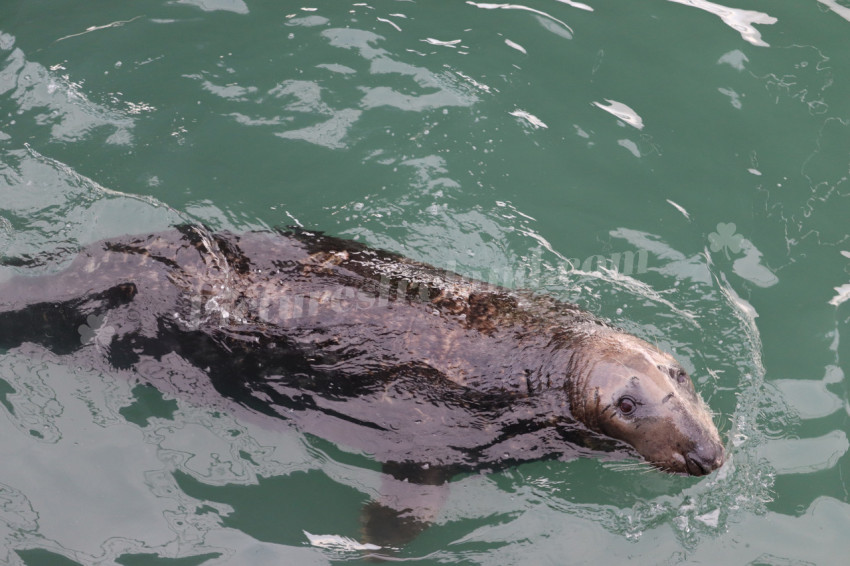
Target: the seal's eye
pixel 676 374
pixel 627 405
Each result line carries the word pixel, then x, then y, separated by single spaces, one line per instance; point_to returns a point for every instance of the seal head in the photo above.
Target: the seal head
pixel 630 390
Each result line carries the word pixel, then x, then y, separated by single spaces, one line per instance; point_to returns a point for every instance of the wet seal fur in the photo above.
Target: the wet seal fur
pixel 429 373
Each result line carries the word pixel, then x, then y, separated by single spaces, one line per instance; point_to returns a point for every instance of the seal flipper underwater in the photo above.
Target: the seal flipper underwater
pixel 412 365
pixel 409 500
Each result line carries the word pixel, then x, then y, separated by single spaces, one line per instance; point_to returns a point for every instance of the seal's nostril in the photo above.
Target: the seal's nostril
pixel 704 460
pixel 696 467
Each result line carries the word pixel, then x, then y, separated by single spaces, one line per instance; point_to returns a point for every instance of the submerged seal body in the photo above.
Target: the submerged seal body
pixel 426 371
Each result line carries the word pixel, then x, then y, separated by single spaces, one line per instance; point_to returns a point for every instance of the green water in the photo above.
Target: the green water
pixel 474 137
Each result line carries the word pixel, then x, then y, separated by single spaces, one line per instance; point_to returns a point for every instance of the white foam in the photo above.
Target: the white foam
pixel 338 543
pixel 621 111
pixel 740 20
pixel 530 118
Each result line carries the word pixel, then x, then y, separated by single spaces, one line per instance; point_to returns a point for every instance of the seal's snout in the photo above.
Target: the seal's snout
pixel 704 459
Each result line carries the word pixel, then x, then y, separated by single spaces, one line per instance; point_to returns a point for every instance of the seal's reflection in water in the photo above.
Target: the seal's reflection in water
pixel 426 372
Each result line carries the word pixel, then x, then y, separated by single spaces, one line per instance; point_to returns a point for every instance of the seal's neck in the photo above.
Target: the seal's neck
pixel 579 346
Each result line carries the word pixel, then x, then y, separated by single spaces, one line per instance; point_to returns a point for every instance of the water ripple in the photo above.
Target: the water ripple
pixel 740 20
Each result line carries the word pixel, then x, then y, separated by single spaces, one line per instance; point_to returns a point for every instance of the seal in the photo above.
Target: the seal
pixel 429 373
